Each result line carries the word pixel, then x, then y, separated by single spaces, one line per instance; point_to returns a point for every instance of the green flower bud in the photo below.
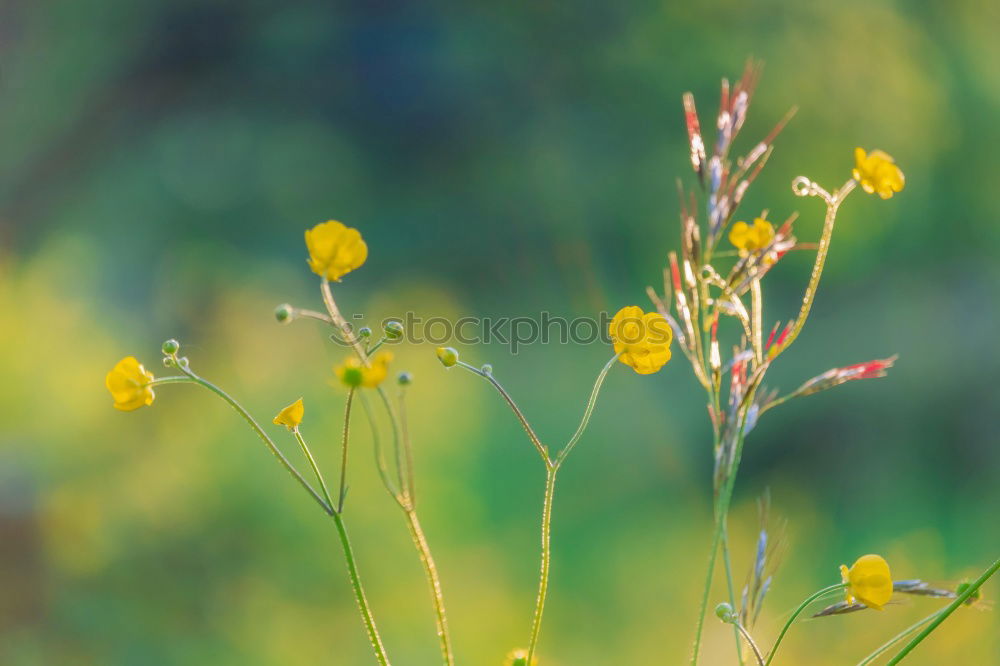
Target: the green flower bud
pixel 364 333
pixel 487 369
pixel 168 362
pixel 170 347
pixel 725 613
pixel 448 356
pixel 393 330
pixel 405 379
pixel 284 313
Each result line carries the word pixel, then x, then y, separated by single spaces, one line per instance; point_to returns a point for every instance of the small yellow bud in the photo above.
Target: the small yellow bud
pixel 448 356
pixel 291 416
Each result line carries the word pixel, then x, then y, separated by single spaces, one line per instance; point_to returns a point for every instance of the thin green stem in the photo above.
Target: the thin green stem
pixel 588 410
pixel 272 447
pixel 311 314
pixel 543 578
pixel 898 637
pixel 948 610
pixel 404 433
pixel 359 593
pixel 716 539
pixel 721 511
pixel 420 541
pixel 740 629
pixel 396 445
pixel 383 470
pixel 338 320
pixel 312 462
pixel 542 451
pixel 171 380
pixel 730 588
pixel 343 448
pixel 832 205
pixel 798 611
pixel 757 315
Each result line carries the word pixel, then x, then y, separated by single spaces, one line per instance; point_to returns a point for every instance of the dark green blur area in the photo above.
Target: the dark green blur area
pixel 160 161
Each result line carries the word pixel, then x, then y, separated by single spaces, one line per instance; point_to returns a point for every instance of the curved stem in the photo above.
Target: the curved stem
pixel 343 448
pixel 420 541
pixel 359 593
pixel 943 615
pixel 798 611
pixel 383 471
pixel 312 462
pixel 882 649
pixel 272 447
pixel 338 320
pixel 352 570
pixel 543 578
pixel 171 380
pixel 832 204
pixel 588 410
pixel 753 646
pixel 311 314
pixel 396 446
pixel 542 451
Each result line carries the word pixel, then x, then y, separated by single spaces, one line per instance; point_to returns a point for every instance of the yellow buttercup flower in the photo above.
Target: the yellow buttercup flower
pixel 642 339
pixel 519 657
pixel 752 238
pixel 291 416
pixel 352 372
pixel 868 581
pixel 877 172
pixel 334 249
pixel 128 383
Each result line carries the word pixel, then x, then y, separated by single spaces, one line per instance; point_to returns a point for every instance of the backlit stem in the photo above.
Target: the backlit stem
pixel 543 578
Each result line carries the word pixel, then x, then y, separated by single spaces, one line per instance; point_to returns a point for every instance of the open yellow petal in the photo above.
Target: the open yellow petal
pixel 291 416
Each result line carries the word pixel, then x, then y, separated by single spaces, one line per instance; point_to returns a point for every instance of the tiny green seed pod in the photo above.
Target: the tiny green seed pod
pixel 405 379
pixel 393 330
pixel 364 333
pixel 171 347
pixel 448 356
pixel 487 369
pixel 284 313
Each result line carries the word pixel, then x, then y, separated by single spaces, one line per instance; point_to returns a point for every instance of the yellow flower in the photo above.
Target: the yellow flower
pixel 128 383
pixel 877 172
pixel 291 416
pixel 752 238
pixel 868 581
pixel 334 249
pixel 352 372
pixel 519 657
pixel 642 339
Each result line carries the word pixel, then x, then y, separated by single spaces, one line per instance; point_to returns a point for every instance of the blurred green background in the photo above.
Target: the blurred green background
pixel 160 161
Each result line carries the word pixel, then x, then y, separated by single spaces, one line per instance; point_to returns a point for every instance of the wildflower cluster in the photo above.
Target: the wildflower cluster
pixel 708 291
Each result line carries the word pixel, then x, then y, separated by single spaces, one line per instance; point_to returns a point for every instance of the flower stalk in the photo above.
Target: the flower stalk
pixel 552 466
